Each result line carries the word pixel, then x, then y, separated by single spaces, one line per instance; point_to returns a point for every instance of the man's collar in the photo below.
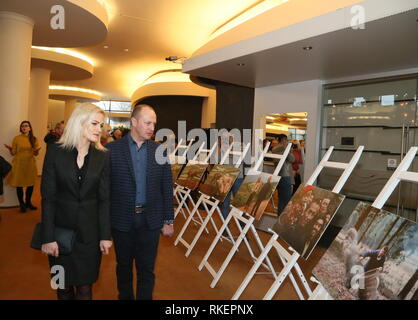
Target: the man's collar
pixel 131 140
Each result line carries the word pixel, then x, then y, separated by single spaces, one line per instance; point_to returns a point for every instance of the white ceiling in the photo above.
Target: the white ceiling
pixel 386 44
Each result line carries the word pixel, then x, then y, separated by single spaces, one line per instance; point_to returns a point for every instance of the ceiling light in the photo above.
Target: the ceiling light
pixel 68 52
pixel 307 48
pixel 174 75
pixel 105 47
pixel 240 64
pixel 52 87
pixel 270 117
pixel 126 50
pixel 252 11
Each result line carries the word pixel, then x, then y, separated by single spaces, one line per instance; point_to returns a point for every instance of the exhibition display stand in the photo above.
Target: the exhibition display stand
pixel 400 174
pixel 289 257
pixel 247 221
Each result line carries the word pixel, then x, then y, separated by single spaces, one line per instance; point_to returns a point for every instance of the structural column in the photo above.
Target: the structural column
pixel 38 108
pixel 15 57
pixel 70 105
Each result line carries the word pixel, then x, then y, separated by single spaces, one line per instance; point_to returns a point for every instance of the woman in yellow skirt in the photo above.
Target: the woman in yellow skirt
pixel 24 149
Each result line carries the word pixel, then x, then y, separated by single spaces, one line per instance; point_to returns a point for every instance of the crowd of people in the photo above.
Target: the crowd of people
pixel 101 187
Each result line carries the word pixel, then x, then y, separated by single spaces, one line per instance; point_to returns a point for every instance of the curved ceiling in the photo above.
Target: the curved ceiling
pixel 77 22
pixel 142 33
pixel 62 66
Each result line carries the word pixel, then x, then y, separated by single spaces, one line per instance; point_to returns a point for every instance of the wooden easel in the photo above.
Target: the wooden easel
pixel 213 205
pixel 290 257
pixel 400 174
pixel 247 220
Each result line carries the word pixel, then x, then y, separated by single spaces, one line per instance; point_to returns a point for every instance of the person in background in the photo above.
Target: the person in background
pixel 105 136
pixel 117 134
pixel 5 168
pixel 296 166
pixel 54 135
pixel 75 193
pixel 286 181
pixel 24 172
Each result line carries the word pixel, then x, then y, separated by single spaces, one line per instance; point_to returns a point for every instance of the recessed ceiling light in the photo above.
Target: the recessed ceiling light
pixel 126 50
pixel 240 64
pixel 307 48
pixel 105 47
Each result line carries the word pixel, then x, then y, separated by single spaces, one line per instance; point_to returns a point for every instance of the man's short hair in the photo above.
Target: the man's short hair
pixel 281 137
pixel 138 109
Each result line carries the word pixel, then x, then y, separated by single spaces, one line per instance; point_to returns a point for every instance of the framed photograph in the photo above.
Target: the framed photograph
pixel 176 170
pixel 306 216
pixel 191 175
pixel 219 181
pixel 374 257
pixel 254 193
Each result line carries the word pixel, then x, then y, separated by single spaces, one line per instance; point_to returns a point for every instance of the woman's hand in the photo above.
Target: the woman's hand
pixel 51 249
pixel 105 245
pixel 36 151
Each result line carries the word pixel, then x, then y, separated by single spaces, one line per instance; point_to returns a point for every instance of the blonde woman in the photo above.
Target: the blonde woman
pixel 75 195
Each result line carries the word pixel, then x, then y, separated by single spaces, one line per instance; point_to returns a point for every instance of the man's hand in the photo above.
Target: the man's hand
pixel 167 230
pixel 105 245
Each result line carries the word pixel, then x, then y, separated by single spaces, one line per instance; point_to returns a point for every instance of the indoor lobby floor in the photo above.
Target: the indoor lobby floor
pixel 24 272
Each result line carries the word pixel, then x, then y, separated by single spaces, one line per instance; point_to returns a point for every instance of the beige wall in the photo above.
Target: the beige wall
pixel 55 111
pixel 293 97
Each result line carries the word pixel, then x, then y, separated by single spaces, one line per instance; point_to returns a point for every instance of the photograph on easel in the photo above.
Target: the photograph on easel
pixel 219 181
pixel 176 170
pixel 191 175
pixel 373 257
pixel 254 193
pixel 306 216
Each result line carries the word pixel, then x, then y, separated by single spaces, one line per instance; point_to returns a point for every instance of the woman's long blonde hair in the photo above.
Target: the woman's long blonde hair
pixel 74 129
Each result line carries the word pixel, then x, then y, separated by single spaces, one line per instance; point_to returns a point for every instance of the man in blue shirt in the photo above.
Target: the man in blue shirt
pixel 141 204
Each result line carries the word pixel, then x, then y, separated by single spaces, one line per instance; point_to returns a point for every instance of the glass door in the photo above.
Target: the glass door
pixel 380 114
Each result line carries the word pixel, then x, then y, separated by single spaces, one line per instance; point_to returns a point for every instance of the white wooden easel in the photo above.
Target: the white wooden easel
pixel 247 220
pixel 173 158
pixel 400 174
pixel 179 159
pixel 289 259
pixel 184 192
pixel 212 203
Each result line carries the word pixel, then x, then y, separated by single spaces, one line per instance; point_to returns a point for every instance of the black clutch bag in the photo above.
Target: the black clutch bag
pixel 64 237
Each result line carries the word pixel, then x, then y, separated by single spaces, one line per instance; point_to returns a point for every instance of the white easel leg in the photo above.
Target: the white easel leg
pixel 186 224
pixel 254 268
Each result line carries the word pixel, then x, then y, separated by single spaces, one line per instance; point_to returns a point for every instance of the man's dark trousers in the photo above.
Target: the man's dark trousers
pixel 139 244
